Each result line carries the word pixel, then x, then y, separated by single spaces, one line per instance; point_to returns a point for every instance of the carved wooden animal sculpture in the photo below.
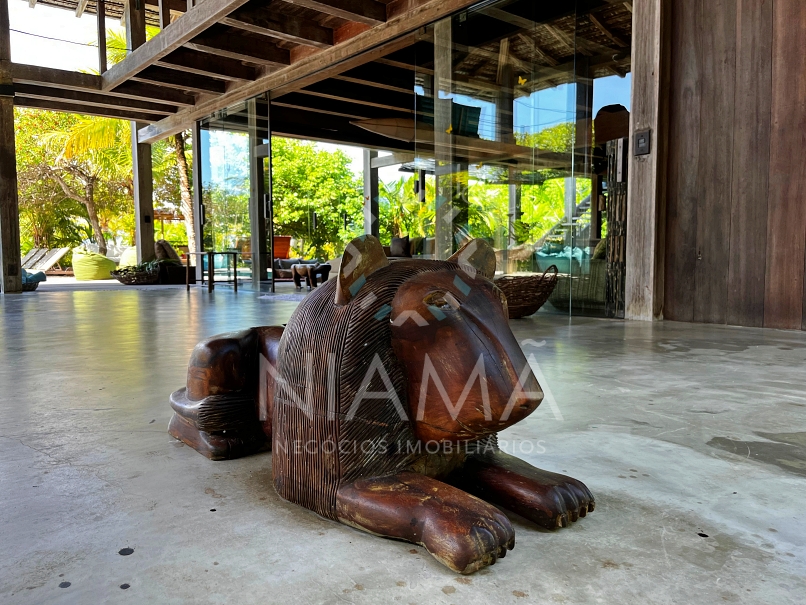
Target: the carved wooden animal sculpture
pixel 382 399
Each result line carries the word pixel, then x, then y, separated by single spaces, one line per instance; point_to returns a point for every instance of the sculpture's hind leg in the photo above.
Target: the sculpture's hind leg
pixel 549 499
pixel 224 412
pixel 460 530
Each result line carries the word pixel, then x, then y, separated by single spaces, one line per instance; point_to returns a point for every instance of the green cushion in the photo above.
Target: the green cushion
pixel 89 265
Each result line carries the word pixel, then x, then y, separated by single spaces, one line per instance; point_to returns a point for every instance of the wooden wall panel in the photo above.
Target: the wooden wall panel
pixel 717 53
pixel 736 195
pixel 751 163
pixel 682 195
pixel 786 233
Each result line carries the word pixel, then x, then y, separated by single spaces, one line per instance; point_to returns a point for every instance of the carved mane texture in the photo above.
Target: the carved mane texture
pixel 314 452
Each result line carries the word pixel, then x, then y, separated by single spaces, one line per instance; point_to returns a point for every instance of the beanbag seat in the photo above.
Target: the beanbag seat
pixel 89 266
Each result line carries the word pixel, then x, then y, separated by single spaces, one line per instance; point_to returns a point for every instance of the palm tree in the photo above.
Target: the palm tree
pixel 116 51
pixel 89 151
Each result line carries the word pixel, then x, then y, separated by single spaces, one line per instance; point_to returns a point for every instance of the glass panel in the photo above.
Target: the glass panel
pixel 603 100
pixel 505 101
pixel 225 149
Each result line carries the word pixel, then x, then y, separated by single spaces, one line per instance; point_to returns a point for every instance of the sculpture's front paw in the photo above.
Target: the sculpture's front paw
pixel 466 534
pixel 565 498
pixel 460 530
pixel 549 499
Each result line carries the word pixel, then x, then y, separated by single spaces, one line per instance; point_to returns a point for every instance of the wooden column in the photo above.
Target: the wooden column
pixel 647 174
pixel 143 197
pixel 371 210
pixel 785 290
pixel 101 15
pixel 135 23
pixel 10 270
pixel 165 13
pixel 257 192
pixel 141 153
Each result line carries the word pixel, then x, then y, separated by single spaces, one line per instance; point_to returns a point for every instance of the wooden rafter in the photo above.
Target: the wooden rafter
pixel 202 64
pixel 368 12
pixel 91 100
pixel 158 94
pixel 280 26
pixel 404 19
pixel 22 101
pixel 184 29
pixel 242 48
pixel 180 80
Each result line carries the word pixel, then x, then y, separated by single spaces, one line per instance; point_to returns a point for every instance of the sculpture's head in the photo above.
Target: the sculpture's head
pixel 466 375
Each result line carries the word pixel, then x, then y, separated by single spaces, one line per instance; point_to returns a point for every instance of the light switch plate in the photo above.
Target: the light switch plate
pixel 643 142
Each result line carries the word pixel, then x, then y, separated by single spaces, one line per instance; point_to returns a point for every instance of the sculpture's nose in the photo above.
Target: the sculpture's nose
pixel 492 326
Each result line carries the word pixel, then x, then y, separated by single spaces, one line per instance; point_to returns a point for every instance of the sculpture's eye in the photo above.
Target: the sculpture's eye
pixel 441 300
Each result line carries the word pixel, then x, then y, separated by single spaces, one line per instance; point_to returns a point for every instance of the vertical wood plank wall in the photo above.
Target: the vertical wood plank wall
pixel 736 194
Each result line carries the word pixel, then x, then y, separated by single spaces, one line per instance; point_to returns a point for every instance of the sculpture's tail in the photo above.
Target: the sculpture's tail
pixel 226 409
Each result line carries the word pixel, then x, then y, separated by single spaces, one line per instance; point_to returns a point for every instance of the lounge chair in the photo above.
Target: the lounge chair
pixel 43 259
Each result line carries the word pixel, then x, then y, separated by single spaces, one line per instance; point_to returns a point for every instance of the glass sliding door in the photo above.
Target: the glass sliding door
pixel 234 175
pixel 504 101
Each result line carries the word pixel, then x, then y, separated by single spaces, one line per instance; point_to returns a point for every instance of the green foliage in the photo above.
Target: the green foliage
pixel 308 180
pixel 560 138
pixel 401 211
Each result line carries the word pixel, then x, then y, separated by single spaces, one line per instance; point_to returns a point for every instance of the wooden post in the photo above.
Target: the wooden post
pixel 135 13
pixel 371 209
pixel 165 13
pixel 257 192
pixel 143 197
pixel 10 270
pixel 101 14
pixel 646 207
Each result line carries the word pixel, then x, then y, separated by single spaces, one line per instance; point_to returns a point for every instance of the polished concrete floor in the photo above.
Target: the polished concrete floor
pixel 692 438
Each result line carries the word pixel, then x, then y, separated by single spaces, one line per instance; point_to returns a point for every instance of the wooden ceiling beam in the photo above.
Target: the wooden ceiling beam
pixel 405 17
pixel 341 97
pixel 241 48
pixel 368 12
pixel 362 94
pixel 92 100
pixel 202 64
pixel 57 78
pixel 327 105
pixel 176 6
pixel 51 105
pixel 182 81
pixel 283 27
pixel 156 94
pixel 184 29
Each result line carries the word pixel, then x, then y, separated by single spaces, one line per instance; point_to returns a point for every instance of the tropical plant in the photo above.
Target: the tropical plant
pixel 317 199
pixel 401 210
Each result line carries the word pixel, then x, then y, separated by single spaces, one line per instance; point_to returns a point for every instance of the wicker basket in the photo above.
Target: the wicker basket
pixel 30 286
pixel 137 278
pixel 527 293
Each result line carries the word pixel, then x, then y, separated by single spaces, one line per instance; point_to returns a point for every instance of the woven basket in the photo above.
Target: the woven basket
pixel 137 278
pixel 30 286
pixel 527 293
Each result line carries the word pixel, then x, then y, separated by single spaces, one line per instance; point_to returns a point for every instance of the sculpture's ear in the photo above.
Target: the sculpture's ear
pixel 476 256
pixel 362 257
